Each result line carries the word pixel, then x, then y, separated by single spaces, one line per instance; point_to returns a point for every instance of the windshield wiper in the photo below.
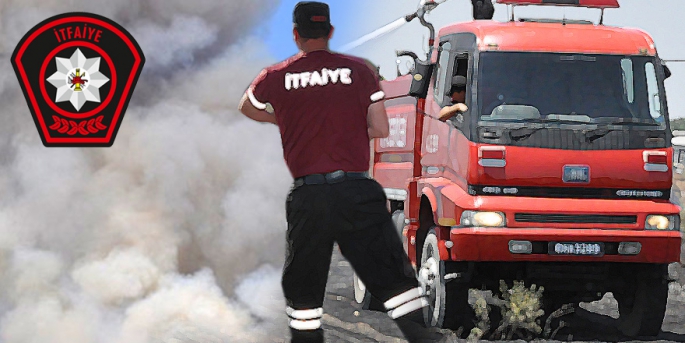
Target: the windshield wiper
pixel 553 120
pixel 526 132
pixel 624 121
pixel 592 135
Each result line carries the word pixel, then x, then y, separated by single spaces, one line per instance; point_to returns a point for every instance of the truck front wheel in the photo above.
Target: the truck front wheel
pixel 360 292
pixel 642 307
pixel 363 297
pixel 448 299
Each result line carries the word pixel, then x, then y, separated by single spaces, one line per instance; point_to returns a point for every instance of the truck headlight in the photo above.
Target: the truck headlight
pixel 662 222
pixel 482 218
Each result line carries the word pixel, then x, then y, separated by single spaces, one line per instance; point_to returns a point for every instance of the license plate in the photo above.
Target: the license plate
pixel 576 249
pixel 576 174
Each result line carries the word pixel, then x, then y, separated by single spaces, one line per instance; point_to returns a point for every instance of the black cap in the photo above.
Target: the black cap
pixel 312 19
pixel 458 85
pixel 458 81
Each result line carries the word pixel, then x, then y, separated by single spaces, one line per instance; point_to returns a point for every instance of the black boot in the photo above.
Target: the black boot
pixel 306 336
pixel 414 329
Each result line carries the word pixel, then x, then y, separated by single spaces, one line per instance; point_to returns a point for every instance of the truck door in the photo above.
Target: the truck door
pixel 459 126
pixel 436 133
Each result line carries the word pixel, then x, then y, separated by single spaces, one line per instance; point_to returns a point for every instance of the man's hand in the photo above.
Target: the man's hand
pixel 448 112
pixel 254 113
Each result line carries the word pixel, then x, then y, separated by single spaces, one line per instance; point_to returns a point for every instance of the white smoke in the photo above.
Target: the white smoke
pixel 174 234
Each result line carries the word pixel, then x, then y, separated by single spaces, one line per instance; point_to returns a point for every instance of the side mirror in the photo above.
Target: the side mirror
pixel 667 71
pixel 421 77
pixel 421 74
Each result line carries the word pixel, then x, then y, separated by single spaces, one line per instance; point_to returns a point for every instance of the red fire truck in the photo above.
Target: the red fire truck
pixel 558 174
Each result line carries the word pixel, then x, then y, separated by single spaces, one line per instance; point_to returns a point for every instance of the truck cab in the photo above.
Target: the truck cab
pixel 558 174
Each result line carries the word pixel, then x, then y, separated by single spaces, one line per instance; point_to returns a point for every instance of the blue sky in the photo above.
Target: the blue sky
pixel 278 34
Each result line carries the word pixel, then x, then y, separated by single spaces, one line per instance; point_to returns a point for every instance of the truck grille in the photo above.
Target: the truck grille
pixel 574 218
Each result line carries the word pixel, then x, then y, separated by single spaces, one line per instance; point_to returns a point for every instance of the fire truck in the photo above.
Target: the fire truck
pixel 558 174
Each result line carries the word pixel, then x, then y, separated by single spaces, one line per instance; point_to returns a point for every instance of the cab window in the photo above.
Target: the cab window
pixel 653 91
pixel 628 85
pixel 443 70
pixel 461 67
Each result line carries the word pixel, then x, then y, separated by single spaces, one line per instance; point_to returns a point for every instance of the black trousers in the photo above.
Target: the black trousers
pixel 354 214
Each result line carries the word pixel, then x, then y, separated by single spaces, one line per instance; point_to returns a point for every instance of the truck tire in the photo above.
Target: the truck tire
pixel 360 291
pixel 642 308
pixel 448 301
pixel 361 294
pixel 398 220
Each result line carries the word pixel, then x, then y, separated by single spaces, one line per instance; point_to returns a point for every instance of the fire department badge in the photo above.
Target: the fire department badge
pixel 78 71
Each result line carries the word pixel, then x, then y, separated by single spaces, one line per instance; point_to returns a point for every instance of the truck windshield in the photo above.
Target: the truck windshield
pixel 569 88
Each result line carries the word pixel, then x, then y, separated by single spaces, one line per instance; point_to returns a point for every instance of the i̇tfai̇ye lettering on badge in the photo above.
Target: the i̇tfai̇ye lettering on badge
pixel 78 71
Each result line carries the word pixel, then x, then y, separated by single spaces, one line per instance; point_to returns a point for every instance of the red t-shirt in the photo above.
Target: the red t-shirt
pixel 321 101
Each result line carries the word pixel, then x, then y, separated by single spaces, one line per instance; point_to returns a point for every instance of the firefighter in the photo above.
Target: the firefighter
pixel 327 107
pixel 458 96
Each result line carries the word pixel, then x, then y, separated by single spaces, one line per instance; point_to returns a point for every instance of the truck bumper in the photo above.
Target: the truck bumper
pixel 493 244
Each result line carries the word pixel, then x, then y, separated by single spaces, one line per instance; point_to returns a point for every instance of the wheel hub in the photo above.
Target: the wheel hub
pixel 428 275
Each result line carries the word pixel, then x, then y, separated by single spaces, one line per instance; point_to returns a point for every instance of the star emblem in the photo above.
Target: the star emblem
pixel 78 79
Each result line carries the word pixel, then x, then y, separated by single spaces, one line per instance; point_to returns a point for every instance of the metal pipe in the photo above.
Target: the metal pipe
pixel 431 29
pixel 411 54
